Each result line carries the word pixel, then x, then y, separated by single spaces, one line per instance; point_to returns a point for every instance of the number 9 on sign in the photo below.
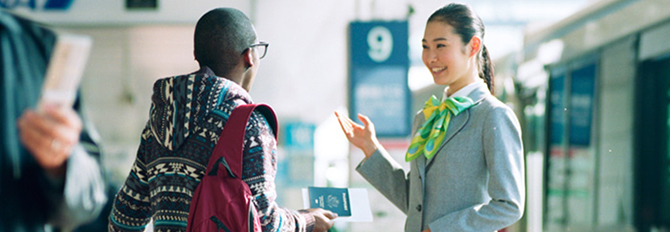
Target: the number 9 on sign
pixel 380 43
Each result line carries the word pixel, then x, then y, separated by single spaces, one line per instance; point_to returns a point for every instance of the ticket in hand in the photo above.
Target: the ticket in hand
pixel 66 66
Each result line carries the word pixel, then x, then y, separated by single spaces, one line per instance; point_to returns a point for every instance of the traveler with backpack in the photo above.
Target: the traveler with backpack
pixel 188 114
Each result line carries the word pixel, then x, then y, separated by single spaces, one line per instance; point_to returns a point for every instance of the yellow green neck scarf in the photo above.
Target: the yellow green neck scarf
pixel 430 136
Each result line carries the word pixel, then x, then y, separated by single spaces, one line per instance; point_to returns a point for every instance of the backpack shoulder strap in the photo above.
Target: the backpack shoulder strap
pixel 230 146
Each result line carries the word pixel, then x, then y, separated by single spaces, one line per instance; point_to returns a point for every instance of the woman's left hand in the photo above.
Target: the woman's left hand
pixel 361 136
pixel 427 230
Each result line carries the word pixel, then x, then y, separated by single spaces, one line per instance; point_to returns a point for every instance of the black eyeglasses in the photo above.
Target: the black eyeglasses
pixel 262 48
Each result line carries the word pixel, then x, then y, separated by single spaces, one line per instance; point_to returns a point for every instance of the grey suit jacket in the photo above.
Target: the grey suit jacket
pixel 475 182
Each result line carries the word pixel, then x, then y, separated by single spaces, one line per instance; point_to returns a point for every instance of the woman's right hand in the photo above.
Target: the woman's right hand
pixel 363 137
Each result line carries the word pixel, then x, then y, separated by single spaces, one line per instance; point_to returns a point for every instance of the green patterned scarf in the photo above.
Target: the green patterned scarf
pixel 430 136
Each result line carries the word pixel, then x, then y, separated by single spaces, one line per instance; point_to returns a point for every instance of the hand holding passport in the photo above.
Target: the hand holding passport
pixel 350 204
pixel 334 199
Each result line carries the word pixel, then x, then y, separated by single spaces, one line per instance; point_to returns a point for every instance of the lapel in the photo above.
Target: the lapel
pixel 421 160
pixel 457 123
pixel 421 164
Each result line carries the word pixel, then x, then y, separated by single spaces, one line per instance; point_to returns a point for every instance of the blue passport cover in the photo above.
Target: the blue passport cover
pixel 333 199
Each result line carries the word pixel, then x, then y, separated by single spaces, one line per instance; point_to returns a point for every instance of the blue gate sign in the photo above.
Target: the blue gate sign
pixel 379 64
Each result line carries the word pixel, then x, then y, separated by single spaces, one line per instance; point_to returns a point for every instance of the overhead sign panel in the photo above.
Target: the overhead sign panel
pixel 379 64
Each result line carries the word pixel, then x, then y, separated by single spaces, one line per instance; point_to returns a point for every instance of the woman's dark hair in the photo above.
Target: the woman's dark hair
pixel 467 24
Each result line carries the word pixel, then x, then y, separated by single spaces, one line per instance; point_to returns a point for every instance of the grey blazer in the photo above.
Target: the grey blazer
pixel 475 182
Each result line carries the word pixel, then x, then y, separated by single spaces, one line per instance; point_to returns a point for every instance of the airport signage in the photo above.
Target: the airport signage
pixel 36 4
pixel 378 69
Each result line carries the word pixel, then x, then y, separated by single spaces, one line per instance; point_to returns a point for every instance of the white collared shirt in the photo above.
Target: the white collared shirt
pixel 465 91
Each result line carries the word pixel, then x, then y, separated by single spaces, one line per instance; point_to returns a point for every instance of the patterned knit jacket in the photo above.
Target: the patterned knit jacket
pixel 187 115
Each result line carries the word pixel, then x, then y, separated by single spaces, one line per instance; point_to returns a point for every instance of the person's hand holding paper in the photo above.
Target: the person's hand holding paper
pixel 51 131
pixel 50 136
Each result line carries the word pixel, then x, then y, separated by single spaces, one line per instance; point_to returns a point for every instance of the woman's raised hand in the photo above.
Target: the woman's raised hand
pixel 363 137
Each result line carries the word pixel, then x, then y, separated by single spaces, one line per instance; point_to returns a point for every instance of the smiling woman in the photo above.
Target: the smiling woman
pixel 466 157
pixel 445 55
pixel 453 35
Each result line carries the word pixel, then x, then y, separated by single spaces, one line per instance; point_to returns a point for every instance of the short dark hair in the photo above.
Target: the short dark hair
pixel 466 23
pixel 220 37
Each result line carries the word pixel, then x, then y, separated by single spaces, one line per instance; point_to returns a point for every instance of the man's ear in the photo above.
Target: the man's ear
pixel 475 45
pixel 248 59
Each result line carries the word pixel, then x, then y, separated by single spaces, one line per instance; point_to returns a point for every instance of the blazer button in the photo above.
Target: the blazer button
pixel 418 207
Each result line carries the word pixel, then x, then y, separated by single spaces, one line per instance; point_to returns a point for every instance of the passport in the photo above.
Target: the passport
pixel 334 199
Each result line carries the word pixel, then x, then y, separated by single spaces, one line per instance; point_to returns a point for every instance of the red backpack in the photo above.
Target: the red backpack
pixel 222 201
